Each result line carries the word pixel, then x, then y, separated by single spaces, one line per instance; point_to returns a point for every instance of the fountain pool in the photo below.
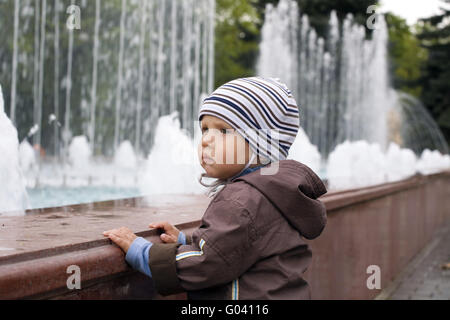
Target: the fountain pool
pixel 47 197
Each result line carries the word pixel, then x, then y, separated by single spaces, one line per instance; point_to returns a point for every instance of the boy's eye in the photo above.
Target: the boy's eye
pixel 224 131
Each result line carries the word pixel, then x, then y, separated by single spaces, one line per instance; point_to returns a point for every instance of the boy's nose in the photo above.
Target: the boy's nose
pixel 207 139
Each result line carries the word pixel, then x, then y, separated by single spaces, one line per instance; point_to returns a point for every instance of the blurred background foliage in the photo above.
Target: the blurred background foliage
pixel 434 36
pixel 419 55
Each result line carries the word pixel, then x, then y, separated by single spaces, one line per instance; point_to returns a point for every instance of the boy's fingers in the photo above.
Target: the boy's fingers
pixel 165 236
pixel 116 239
pixel 159 225
pixel 112 236
pixel 111 231
pixel 154 225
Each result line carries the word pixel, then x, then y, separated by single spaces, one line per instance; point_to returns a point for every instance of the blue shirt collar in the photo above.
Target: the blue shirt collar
pixel 248 170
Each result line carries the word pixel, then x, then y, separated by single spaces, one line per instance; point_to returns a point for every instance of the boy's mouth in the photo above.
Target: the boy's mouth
pixel 207 160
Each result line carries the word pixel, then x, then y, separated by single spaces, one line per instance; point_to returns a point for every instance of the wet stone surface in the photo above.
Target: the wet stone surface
pixel 49 228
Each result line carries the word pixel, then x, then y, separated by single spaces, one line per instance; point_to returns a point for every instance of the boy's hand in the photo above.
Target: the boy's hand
pixel 170 234
pixel 123 237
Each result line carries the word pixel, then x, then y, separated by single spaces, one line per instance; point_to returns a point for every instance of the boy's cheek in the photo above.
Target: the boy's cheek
pixel 199 152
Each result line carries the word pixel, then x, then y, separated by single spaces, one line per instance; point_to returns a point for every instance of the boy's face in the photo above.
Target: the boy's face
pixel 222 151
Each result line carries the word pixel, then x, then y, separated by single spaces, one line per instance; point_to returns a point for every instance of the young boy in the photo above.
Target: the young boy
pixel 250 243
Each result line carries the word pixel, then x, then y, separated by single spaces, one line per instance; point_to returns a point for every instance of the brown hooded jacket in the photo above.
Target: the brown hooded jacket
pixel 250 243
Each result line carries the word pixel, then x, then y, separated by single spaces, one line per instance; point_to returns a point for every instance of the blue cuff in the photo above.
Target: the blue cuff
pixel 137 255
pixel 181 238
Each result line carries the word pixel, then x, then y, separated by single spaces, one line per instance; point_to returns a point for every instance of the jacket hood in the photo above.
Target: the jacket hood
pixel 293 189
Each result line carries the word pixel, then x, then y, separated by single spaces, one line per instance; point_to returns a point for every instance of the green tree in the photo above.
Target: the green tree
pixel 435 37
pixel 407 57
pixel 236 43
pixel 319 11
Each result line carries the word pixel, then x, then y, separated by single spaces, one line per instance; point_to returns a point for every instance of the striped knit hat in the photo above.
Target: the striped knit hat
pixel 262 110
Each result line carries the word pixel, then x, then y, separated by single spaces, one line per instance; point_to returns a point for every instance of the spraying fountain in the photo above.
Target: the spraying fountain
pixel 348 109
pixel 13 196
pixel 113 78
pixel 101 92
pixel 342 82
pixel 104 86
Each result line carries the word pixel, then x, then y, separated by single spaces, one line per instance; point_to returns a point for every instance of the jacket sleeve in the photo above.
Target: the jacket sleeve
pixel 221 250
